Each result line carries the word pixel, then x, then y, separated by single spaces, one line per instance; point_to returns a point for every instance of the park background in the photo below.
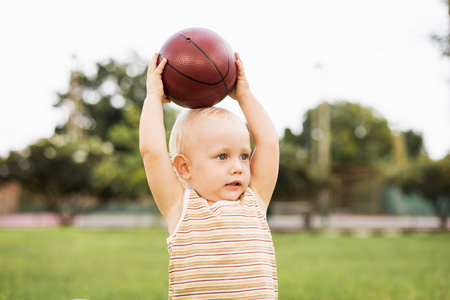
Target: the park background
pixel 359 93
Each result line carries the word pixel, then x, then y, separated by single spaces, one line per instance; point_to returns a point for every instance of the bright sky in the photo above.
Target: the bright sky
pixel 296 54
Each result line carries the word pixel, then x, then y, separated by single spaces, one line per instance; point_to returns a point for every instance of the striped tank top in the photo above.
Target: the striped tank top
pixel 222 251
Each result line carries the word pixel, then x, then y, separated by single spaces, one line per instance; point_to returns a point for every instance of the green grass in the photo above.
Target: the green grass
pixel 70 264
pixel 132 264
pixel 408 267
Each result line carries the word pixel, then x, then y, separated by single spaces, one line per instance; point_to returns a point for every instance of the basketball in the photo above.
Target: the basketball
pixel 200 69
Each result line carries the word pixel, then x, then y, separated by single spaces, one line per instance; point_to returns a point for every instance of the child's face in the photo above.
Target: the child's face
pixel 219 159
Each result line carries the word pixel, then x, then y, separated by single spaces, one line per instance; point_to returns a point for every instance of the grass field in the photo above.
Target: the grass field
pixel 132 264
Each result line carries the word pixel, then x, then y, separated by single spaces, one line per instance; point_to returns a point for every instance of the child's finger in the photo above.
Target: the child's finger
pixel 238 58
pixel 239 64
pixel 240 67
pixel 152 64
pixel 161 66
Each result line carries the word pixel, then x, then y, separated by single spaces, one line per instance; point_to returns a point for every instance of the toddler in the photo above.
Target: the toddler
pixel 213 193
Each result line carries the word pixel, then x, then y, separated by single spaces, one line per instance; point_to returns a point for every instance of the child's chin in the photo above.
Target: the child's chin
pixel 234 195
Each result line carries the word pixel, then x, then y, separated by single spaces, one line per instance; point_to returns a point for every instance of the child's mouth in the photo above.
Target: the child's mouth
pixel 234 183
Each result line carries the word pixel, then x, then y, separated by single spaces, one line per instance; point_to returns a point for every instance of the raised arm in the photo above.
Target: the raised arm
pixel 265 159
pixel 162 180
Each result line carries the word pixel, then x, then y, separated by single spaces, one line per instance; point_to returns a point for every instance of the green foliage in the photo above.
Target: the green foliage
pixel 133 264
pixel 107 94
pixel 297 178
pixel 414 144
pixel 428 178
pixel 58 169
pixel 444 40
pixel 96 152
pixel 358 134
pixel 113 98
pixel 122 176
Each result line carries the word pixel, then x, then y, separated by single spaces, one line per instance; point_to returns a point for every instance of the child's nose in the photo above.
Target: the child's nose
pixel 236 167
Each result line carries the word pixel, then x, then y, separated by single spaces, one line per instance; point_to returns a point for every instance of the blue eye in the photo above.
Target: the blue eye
pixel 244 156
pixel 222 157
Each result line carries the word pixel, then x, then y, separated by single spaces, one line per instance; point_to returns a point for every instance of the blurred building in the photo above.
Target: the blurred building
pixel 9 197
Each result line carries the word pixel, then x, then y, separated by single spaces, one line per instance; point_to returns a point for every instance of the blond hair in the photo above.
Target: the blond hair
pixel 182 132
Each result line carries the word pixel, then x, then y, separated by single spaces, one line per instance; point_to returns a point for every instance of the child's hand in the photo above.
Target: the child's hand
pixel 242 88
pixel 154 80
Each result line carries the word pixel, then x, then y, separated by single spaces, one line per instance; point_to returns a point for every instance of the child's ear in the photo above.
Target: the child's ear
pixel 181 164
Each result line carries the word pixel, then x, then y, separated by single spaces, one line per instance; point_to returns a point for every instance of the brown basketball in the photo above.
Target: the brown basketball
pixel 200 69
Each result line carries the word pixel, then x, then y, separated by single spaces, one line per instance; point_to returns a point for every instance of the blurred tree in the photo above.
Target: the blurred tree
pixel 99 155
pixel 110 102
pixel 444 40
pixel 297 178
pixel 58 170
pixel 358 134
pixel 430 179
pixel 414 144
